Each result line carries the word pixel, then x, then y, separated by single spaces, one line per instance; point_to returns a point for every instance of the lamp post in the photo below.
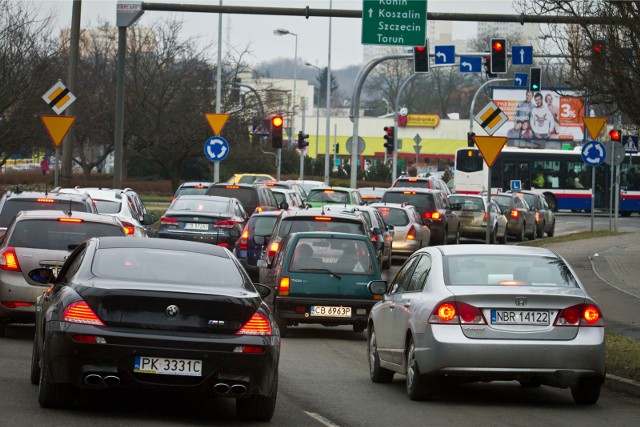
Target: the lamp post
pixel 308 64
pixel 283 32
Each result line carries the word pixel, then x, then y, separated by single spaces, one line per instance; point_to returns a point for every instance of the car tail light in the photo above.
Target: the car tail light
pixel 227 223
pixel 74 220
pixel 257 325
pixel 16 304
pixel 88 339
pixel 165 220
pixel 129 228
pixel 80 312
pixel 580 315
pixel 249 349
pixel 444 313
pixel 232 186
pixel 486 216
pixel 259 209
pixel 455 313
pixel 9 260
pixel 283 289
pixel 374 238
pixel 322 218
pixel 537 216
pixel 514 213
pixel 328 191
pixel 243 241
pixel 273 249
pixel 411 235
pixel 43 200
pixel 432 215
pixel 408 192
pixel 470 314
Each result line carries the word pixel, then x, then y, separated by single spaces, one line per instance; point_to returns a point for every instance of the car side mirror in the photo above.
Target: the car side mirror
pixel 42 275
pixel 259 240
pixel 263 291
pixel 377 287
pixel 263 263
pixel 148 219
pixel 284 206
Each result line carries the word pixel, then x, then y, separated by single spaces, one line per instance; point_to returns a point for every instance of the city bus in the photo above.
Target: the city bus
pixel 560 175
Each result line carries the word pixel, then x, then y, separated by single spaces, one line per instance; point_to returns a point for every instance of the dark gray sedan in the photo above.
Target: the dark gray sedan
pixel 486 313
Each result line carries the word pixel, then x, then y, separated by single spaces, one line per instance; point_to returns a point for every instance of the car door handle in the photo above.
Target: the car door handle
pixel 392 305
pixel 407 303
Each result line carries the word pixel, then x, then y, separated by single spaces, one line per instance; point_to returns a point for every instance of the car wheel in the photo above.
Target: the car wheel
pixel 35 364
pixel 520 236
pixel 551 232
pixel 376 373
pixel 282 325
pixel 586 391
pixel 457 239
pixel 540 231
pixel 532 236
pixel 257 408
pixel 418 386
pixel 52 395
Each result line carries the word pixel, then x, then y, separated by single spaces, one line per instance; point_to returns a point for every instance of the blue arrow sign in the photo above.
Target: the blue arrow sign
pixel 522 55
pixel 470 64
pixel 216 148
pixel 630 143
pixel 445 54
pixel 520 80
pixel 593 153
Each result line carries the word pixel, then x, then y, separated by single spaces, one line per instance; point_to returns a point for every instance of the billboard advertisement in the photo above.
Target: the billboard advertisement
pixel 543 119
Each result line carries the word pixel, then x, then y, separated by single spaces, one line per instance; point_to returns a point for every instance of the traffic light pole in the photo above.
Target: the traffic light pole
pixel 304 107
pixel 394 162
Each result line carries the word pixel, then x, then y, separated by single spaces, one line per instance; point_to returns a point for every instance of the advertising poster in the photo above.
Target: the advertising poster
pixel 541 119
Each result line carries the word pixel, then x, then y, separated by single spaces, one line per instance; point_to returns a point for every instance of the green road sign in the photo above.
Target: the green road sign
pixel 394 22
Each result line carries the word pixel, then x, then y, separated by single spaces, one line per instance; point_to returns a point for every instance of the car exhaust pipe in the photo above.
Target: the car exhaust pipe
pixel 238 389
pixel 111 380
pixel 221 388
pixel 93 379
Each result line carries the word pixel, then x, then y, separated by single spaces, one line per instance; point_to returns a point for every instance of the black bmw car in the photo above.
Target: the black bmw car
pixel 155 314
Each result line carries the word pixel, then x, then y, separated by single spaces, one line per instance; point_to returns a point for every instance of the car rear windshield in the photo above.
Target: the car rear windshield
pixel 262 225
pixel 507 270
pixel 418 183
pixel 331 255
pixel 57 235
pixel 247 196
pixel 328 196
pixel 530 198
pixel 107 206
pixel 160 266
pixel 505 202
pixel 394 216
pixel 422 202
pixel 12 207
pixel 338 225
pixel 191 205
pixel 469 204
pixel 191 191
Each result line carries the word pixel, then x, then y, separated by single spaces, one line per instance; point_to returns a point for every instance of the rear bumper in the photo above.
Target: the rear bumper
pixel 10 291
pixel 211 238
pixel 298 310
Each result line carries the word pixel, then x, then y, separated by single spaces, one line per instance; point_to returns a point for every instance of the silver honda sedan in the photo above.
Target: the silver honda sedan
pixel 485 313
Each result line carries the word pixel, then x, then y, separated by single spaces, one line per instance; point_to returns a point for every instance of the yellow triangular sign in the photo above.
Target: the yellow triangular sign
pixel 57 126
pixel 490 147
pixel 217 122
pixel 594 125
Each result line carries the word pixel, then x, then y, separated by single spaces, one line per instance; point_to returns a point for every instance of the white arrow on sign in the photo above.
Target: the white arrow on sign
pixel 370 12
pixel 521 55
pixel 468 65
pixel 223 151
pixel 444 57
pixel 519 80
pixel 598 147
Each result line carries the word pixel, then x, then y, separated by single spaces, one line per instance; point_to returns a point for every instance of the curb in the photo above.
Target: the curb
pixel 623 385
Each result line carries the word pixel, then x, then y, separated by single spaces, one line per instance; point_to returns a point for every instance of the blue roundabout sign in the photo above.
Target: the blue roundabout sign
pixel 216 148
pixel 593 153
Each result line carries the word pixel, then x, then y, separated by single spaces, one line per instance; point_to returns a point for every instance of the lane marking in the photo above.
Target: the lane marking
pixel 322 420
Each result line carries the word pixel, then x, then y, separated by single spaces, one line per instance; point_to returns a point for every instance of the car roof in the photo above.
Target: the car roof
pixel 44 194
pixel 330 234
pixel 220 199
pixel 416 189
pixel 167 244
pixel 195 184
pixel 346 189
pixel 478 249
pixel 55 214
pixel 392 205
pixel 336 212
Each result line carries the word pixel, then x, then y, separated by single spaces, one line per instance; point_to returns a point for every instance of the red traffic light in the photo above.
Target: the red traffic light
pixel 598 47
pixel 276 121
pixel 420 48
pixel 388 130
pixel 497 46
pixel 615 135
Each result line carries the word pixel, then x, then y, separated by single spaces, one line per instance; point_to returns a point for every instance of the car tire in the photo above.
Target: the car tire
pixel 376 373
pixel 419 387
pixel 586 391
pixel 551 232
pixel 520 236
pixel 257 408
pixel 52 395
pixel 494 236
pixel 540 232
pixel 34 377
pixel 282 325
pixel 532 236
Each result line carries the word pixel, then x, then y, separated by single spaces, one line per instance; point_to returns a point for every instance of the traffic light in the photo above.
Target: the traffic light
pixel 389 132
pixel 498 56
pixel 534 79
pixel 470 142
pixel 421 58
pixel 302 140
pixel 276 131
pixel 615 135
pixel 487 61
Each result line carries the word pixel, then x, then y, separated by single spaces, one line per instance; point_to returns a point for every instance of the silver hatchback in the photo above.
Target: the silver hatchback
pixel 409 233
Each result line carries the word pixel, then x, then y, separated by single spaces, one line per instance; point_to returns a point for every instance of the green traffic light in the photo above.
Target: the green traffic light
pixel 535 86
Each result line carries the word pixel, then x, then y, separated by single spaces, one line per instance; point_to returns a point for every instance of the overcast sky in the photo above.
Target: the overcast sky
pixel 255 32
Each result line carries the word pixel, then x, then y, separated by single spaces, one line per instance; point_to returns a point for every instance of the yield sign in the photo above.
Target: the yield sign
pixel 217 122
pixel 490 147
pixel 594 125
pixel 57 126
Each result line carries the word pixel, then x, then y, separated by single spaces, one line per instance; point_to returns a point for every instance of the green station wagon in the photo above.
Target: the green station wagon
pixel 321 277
pixel 319 197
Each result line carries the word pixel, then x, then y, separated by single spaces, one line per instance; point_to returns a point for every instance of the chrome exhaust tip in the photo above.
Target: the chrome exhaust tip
pixel 238 389
pixel 221 388
pixel 93 379
pixel 111 380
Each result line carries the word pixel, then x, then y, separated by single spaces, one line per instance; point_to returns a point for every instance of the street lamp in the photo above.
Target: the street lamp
pixel 283 32
pixel 308 64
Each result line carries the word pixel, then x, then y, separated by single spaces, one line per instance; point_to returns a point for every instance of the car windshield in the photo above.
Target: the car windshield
pixel 393 216
pixel 107 206
pixel 507 270
pixel 161 265
pixel 418 183
pixel 12 207
pixel 422 202
pixel 262 225
pixel 193 205
pixel 61 235
pixel 328 196
pixel 342 256
pixel 469 204
pixel 296 225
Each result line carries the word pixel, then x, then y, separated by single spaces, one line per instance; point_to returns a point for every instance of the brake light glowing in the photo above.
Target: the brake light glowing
pixel 165 220
pixel 273 249
pixel 43 200
pixel 457 313
pixel 538 217
pixel 445 313
pixel 470 314
pixel 16 304
pixel 227 223
pixel 328 191
pixel 514 213
pixel 580 315
pixel 412 179
pixel 259 209
pixel 129 228
pixel 408 192
pixel 80 312
pixel 232 186
pixel 322 218
pixel 486 216
pixel 432 215
pixel 411 235
pixel 198 186
pixel 283 289
pixel 243 241
pixel 66 219
pixel 9 260
pixel 257 325
pixel 374 238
